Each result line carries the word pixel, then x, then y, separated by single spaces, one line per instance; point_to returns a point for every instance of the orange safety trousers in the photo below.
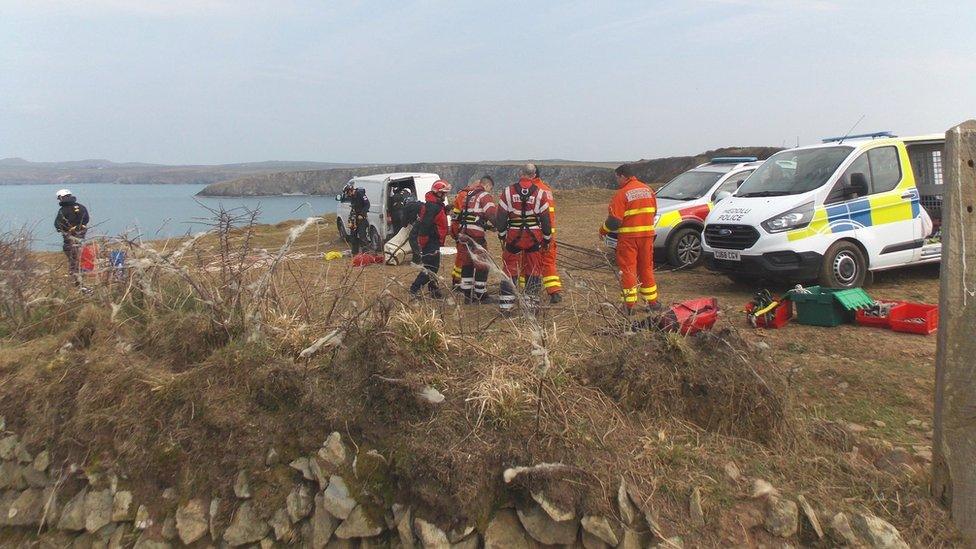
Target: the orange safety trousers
pixel 635 258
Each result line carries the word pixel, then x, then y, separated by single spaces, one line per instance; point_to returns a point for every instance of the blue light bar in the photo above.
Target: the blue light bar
pixel 732 159
pixel 874 135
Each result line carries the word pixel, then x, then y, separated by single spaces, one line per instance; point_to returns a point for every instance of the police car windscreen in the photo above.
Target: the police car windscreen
pixel 794 172
pixel 689 185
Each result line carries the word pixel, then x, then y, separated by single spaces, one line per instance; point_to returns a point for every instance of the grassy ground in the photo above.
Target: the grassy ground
pixel 666 413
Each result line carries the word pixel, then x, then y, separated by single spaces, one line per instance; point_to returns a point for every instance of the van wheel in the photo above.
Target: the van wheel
pixel 374 239
pixel 844 266
pixel 341 227
pixel 685 248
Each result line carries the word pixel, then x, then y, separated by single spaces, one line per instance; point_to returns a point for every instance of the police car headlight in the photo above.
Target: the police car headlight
pixel 797 218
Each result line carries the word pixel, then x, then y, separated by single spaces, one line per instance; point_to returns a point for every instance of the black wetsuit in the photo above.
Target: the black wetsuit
pixel 358 223
pixel 72 222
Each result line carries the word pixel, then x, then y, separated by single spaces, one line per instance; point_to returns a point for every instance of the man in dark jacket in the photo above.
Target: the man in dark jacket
pixel 427 237
pixel 402 204
pixel 72 222
pixel 358 222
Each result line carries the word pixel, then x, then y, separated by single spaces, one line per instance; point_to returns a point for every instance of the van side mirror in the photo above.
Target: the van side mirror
pixel 721 195
pixel 858 184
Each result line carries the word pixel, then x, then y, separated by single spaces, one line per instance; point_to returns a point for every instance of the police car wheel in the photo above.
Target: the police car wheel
pixel 685 248
pixel 374 239
pixel 844 266
pixel 343 233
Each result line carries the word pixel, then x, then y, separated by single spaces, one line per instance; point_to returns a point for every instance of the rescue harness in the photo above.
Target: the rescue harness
pixel 526 221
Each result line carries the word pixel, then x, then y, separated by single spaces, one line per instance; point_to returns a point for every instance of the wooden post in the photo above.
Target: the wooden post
pixel 954 440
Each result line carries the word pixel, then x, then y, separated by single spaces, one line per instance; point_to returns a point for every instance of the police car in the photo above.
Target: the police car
pixel 684 202
pixel 833 212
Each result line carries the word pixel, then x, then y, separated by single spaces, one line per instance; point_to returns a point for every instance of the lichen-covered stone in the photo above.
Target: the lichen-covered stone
pixel 357 525
pixel 337 499
pixel 246 526
pixel 542 528
pixel 191 521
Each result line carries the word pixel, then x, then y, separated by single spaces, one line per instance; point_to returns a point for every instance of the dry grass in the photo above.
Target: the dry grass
pixel 191 367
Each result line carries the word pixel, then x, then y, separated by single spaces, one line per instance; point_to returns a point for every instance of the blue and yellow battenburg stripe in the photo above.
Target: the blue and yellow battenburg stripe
pixel 884 208
pixel 870 211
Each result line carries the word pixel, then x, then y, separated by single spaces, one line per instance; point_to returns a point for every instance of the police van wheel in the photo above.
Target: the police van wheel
pixel 341 227
pixel 374 239
pixel 685 248
pixel 844 266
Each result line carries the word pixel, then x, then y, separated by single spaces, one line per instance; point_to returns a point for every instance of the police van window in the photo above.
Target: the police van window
pixel 732 184
pixel 885 169
pixel 839 192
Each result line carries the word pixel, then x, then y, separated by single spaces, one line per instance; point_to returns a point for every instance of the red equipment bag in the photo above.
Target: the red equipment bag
pixel 88 259
pixel 364 259
pixel 690 317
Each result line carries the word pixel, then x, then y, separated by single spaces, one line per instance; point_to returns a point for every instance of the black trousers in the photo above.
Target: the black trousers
pixel 72 250
pixel 358 236
pixel 430 257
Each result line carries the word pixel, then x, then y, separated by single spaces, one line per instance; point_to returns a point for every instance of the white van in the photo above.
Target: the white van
pixel 379 189
pixel 832 212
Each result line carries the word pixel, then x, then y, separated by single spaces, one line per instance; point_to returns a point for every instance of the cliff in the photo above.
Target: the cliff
pixel 17 171
pixel 564 175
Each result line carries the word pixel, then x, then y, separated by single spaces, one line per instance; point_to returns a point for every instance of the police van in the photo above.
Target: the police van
pixel 684 202
pixel 832 213
pixel 380 189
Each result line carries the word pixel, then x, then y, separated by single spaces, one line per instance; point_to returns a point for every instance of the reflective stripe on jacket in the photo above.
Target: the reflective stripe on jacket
pixel 534 222
pixel 473 209
pixel 632 210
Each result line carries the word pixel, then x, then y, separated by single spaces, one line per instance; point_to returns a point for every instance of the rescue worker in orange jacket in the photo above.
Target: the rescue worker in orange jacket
pixel 631 217
pixel 474 212
pixel 523 225
pixel 550 277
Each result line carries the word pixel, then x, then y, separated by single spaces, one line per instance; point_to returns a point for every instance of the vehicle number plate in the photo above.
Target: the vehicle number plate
pixel 728 255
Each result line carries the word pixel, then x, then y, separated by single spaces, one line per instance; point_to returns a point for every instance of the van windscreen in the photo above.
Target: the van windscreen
pixel 794 172
pixel 689 185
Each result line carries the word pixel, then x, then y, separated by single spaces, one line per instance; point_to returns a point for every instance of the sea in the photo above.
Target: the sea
pixel 147 211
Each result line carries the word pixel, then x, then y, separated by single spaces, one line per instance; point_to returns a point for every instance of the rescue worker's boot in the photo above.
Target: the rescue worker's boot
pixel 555 298
pixel 507 298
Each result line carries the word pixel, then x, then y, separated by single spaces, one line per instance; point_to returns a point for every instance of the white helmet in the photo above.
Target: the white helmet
pixel 63 193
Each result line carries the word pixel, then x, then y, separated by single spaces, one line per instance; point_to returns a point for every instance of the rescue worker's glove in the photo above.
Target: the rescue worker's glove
pixel 610 239
pixel 501 235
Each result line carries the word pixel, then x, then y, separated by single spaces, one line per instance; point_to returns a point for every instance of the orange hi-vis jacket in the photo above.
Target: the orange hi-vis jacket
pixel 552 204
pixel 632 211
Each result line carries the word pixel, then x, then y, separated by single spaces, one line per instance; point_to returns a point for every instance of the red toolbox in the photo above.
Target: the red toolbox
pixel 915 318
pixel 781 317
pixel 862 318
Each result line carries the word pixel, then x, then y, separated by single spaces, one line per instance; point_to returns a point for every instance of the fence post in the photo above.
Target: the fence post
pixel 954 440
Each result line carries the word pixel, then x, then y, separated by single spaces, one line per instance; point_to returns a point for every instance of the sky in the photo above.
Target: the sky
pixel 221 81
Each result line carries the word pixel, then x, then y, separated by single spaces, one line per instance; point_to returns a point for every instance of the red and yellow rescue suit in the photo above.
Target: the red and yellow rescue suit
pixel 474 210
pixel 524 227
pixel 631 216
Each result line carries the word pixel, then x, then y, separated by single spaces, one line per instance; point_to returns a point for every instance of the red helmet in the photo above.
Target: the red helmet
pixel 440 186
